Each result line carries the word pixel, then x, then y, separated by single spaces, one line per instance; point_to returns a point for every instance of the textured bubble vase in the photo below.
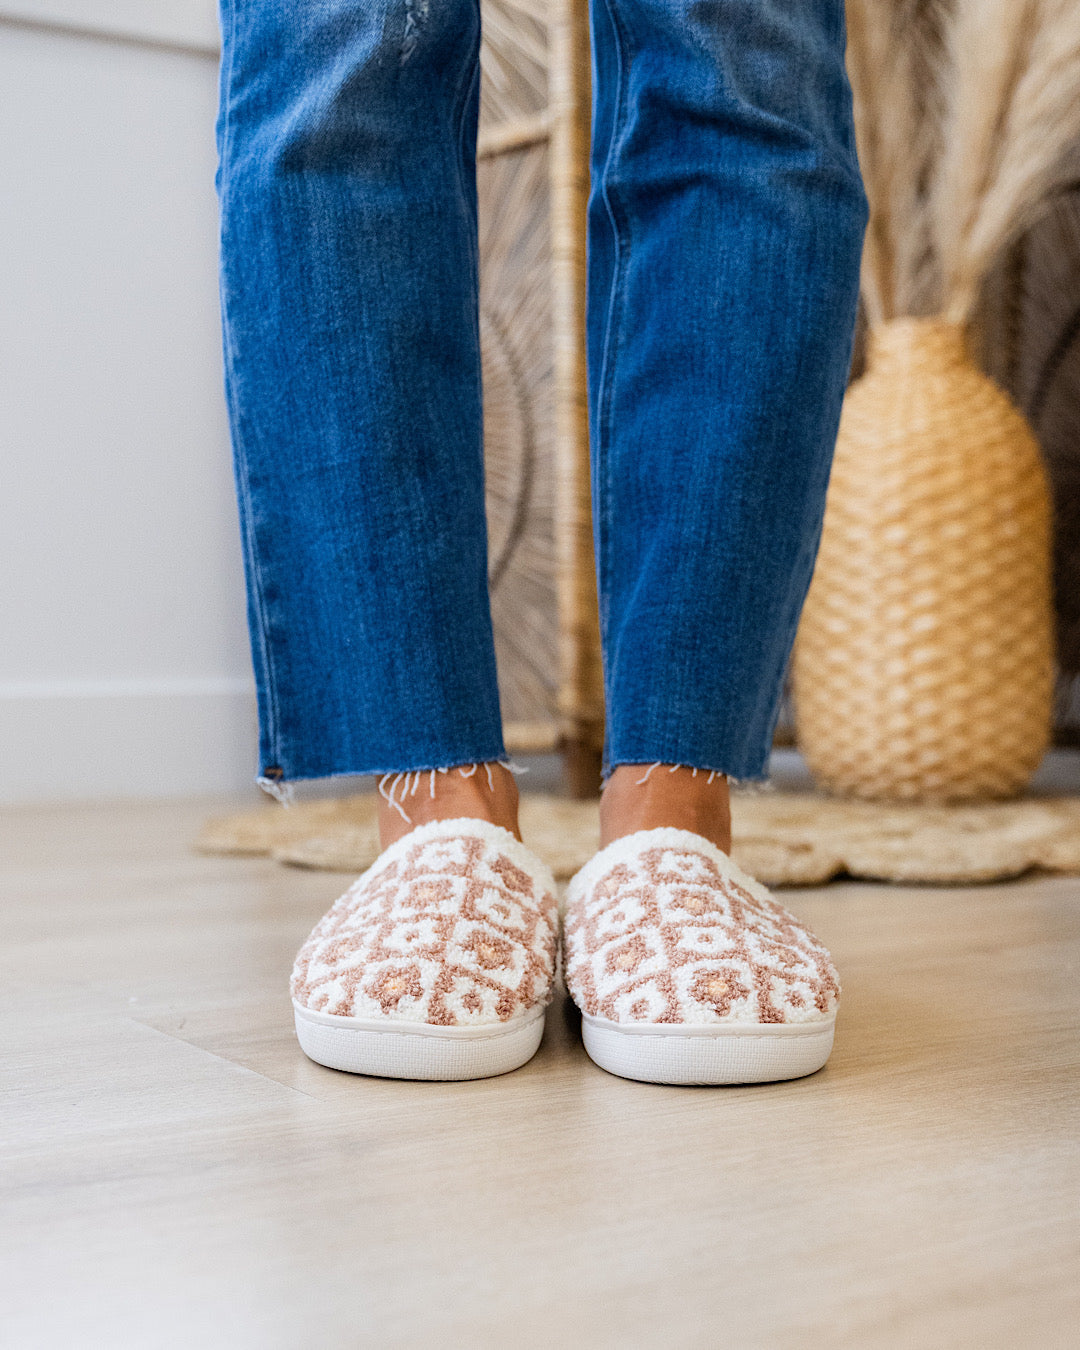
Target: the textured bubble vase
pixel 923 665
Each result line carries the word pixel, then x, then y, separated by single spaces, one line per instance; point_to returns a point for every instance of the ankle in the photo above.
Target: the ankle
pixel 473 791
pixel 648 797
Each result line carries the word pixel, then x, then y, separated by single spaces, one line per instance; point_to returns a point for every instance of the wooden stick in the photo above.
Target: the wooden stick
pixel 580 701
pixel 516 135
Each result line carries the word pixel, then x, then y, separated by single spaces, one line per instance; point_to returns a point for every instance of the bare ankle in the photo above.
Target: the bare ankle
pixel 474 791
pixel 646 797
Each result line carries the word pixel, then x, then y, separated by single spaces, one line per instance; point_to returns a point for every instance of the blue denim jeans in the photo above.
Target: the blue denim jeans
pixel 725 226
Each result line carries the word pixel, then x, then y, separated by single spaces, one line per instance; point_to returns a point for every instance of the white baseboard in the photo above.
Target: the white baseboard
pixel 78 740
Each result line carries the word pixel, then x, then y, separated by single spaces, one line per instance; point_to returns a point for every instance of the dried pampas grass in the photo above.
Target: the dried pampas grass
pixel 967 120
pixel 896 61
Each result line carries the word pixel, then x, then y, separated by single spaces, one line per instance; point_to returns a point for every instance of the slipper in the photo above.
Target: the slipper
pixel 687 970
pixel 437 963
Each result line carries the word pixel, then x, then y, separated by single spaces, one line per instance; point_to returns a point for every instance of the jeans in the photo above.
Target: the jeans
pixel 725 226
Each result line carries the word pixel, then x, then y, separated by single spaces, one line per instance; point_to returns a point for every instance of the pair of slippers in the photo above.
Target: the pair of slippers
pixel 439 961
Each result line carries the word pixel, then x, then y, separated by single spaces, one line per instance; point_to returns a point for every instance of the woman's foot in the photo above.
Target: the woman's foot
pixel 467 792
pixel 652 796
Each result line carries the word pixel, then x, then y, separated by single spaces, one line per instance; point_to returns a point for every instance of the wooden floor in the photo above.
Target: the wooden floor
pixel 176 1174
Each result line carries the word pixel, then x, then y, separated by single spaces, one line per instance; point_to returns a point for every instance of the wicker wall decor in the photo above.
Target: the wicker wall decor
pixel 1030 343
pixel 532 180
pixel 923 667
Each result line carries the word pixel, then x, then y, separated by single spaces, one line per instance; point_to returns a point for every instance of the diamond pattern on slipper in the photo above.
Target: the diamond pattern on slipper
pixel 664 929
pixel 453 926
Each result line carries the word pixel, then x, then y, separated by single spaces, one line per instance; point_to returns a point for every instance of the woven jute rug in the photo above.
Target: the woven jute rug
pixel 783 838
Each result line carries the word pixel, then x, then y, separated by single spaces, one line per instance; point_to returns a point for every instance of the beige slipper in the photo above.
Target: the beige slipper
pixel 436 963
pixel 686 970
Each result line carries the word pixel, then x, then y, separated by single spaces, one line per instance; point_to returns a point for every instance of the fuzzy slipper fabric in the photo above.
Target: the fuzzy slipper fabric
pixel 436 963
pixel 686 970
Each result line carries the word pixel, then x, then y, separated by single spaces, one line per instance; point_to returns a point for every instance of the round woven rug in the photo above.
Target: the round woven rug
pixel 783 838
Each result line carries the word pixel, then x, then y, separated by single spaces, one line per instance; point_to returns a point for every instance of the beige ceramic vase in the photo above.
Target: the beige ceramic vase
pixel 923 665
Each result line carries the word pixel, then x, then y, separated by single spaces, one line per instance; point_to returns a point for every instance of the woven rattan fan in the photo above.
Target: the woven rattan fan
pixel 532 178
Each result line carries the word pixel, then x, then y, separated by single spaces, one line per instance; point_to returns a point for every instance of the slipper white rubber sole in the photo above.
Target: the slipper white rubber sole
pixel 708 1054
pixel 389 1048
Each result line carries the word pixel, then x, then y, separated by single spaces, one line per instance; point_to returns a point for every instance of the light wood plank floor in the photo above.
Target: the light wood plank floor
pixel 176 1174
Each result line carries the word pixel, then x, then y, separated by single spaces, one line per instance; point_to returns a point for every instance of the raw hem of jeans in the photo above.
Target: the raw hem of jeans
pixel 760 779
pixel 281 787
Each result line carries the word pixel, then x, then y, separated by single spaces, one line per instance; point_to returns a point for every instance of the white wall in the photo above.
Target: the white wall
pixel 183 24
pixel 123 653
